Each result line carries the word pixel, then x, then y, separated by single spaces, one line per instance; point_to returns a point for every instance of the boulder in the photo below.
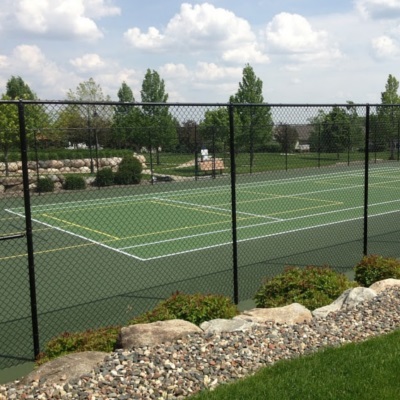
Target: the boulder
pixel 294 313
pixel 156 333
pixel 65 368
pixel 385 284
pixel 226 325
pixel 348 299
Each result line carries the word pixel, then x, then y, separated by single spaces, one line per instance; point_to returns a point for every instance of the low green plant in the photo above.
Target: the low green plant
pixel 313 287
pixel 374 268
pixel 104 177
pixel 45 185
pixel 195 308
pixel 129 171
pixel 102 339
pixel 74 182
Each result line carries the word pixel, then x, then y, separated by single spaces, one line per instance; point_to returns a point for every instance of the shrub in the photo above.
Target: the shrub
pixel 375 268
pixel 74 182
pixel 45 185
pixel 129 171
pixel 104 177
pixel 313 287
pixel 102 339
pixel 195 308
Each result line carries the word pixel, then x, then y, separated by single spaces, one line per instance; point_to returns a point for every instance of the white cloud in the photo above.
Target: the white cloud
pixel 212 72
pixel 4 61
pixel 247 54
pixel 292 35
pixel 174 71
pixel 384 47
pixel 57 18
pixel 201 28
pixel 30 63
pixel 88 62
pixel 378 9
pixel 151 40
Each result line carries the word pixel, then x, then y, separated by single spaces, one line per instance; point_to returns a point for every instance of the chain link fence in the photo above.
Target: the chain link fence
pixel 228 194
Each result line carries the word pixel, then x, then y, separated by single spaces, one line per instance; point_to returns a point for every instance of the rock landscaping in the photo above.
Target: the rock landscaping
pixel 175 359
pixel 55 169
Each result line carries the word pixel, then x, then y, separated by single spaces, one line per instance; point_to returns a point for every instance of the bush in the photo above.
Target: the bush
pixel 313 287
pixel 195 308
pixel 129 171
pixel 374 268
pixel 45 185
pixel 102 339
pixel 74 182
pixel 104 177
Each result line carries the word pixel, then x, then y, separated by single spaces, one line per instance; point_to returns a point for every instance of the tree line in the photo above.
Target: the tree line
pixel 151 126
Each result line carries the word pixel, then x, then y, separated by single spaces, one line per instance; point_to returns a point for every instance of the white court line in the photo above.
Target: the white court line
pixel 267 223
pixel 215 208
pixel 222 188
pixel 265 236
pixel 80 236
pixel 133 198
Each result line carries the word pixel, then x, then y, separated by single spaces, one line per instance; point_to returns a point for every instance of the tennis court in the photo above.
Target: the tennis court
pixel 103 256
pixel 157 225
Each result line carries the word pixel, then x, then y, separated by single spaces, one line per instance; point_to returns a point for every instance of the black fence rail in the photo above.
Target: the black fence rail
pixel 220 197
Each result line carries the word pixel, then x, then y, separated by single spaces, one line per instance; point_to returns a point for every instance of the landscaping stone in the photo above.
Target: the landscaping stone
pixel 291 314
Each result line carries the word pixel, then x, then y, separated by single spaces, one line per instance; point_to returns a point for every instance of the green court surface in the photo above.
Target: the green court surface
pixel 158 225
pixel 102 256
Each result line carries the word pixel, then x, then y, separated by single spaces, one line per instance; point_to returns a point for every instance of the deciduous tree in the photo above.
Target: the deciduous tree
pixel 255 120
pixel 157 118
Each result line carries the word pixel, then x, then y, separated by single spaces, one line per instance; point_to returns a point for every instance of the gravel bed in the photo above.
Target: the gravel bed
pixel 180 369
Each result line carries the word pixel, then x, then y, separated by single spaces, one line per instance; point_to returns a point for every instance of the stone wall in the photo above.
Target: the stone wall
pixel 55 169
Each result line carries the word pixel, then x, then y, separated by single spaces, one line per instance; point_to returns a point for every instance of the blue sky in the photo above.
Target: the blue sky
pixel 304 51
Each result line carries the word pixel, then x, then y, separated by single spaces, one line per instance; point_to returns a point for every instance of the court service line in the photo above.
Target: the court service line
pixel 216 208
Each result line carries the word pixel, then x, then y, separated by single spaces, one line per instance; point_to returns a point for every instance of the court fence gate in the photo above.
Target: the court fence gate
pixel 228 195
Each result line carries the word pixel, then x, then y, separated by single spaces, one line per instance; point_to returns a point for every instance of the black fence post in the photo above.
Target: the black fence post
pixel 233 199
pixel 28 225
pixel 366 172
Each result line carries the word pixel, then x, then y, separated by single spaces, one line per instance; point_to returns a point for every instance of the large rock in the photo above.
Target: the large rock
pixel 385 284
pixel 226 325
pixel 292 314
pixel 348 299
pixel 156 333
pixel 65 368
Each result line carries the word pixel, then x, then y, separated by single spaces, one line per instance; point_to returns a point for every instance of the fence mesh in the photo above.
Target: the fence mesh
pixel 228 195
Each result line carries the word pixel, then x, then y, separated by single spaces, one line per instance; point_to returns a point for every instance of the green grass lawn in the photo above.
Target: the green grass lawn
pixel 368 370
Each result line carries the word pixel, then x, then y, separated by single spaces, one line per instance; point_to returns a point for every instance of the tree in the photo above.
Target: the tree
pixel 36 118
pixel 215 130
pixel 94 119
pixel 17 89
pixel 337 130
pixel 9 127
pixel 389 114
pixel 126 121
pixel 255 120
pixel 157 118
pixel 287 136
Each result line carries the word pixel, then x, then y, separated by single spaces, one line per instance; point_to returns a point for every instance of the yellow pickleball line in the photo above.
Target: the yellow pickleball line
pixel 81 227
pixel 199 208
pixel 48 251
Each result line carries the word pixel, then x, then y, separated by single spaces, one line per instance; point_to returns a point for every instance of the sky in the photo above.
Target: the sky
pixel 304 51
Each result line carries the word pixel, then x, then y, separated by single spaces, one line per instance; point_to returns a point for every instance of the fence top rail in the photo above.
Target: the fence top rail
pixel 187 104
